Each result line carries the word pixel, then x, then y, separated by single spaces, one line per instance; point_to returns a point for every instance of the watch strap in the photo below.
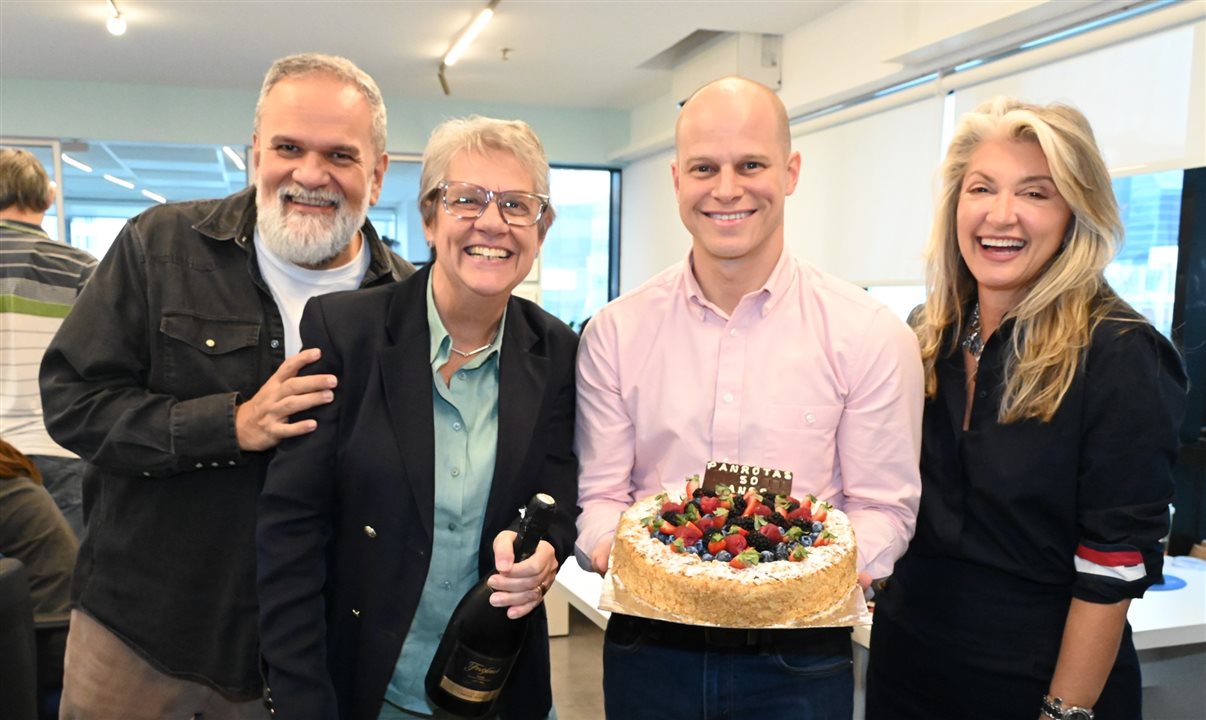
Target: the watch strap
pixel 1054 709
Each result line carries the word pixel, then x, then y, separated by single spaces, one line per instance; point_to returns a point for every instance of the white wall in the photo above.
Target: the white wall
pixel 652 235
pixel 863 205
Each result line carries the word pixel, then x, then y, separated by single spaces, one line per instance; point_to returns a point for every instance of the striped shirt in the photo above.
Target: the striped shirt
pixel 39 281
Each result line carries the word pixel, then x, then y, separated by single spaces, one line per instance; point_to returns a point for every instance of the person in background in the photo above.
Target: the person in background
pixel 34 531
pixel 1050 431
pixel 177 375
pixel 743 353
pixel 39 281
pixel 455 406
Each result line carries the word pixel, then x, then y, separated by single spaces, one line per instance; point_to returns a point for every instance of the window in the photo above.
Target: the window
pixel 575 261
pixel 1145 271
pixel 94 234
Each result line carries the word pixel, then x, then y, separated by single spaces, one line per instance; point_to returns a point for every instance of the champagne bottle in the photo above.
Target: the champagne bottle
pixel 481 643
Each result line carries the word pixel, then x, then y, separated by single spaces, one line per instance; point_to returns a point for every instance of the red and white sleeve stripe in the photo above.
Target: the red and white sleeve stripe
pixel 1125 565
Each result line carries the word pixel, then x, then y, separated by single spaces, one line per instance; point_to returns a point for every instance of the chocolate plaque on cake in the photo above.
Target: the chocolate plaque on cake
pixel 742 478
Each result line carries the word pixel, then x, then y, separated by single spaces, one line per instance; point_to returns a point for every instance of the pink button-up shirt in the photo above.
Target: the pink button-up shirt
pixel 808 374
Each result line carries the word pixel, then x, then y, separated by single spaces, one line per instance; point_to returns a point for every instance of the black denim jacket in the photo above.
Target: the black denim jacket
pixel 175 327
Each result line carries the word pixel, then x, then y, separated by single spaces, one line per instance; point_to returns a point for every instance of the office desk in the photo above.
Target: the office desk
pixel 577 588
pixel 1169 618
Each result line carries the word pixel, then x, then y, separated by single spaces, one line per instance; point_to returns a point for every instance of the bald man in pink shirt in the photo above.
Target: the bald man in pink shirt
pixel 743 353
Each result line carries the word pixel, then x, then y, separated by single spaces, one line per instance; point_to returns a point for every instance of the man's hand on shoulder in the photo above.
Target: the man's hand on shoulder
pixel 263 421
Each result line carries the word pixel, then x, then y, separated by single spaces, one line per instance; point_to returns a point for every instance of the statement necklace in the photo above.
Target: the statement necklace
pixel 471 353
pixel 972 340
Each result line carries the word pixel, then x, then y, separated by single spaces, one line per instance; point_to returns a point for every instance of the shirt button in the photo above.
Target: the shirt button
pixel 460 374
pixel 457 426
pixel 728 397
pixel 982 394
pixel 447 585
pixel 368 530
pixel 231 462
pixel 209 342
pixel 200 465
pixel 146 474
pixel 810 418
pixel 274 344
pixel 452 527
pixel 733 333
pixel 456 472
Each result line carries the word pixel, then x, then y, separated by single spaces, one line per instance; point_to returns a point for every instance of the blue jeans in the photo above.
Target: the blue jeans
pixel 660 670
pixel 63 478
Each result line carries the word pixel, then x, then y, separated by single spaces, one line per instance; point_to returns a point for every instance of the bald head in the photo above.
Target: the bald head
pixel 735 94
pixel 733 170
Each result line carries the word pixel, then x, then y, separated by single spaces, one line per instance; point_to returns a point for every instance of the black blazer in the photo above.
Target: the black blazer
pixel 345 517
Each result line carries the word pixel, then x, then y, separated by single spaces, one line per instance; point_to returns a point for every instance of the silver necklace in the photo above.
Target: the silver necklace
pixel 972 341
pixel 471 353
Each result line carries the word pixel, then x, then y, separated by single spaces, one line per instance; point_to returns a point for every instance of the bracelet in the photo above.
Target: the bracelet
pixel 1054 709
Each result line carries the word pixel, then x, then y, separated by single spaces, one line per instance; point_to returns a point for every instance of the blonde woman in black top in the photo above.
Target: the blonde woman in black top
pixel 1049 435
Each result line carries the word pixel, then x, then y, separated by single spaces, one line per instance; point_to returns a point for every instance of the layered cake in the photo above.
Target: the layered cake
pixel 735 557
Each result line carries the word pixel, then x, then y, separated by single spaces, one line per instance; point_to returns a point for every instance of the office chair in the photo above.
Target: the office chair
pixel 18 653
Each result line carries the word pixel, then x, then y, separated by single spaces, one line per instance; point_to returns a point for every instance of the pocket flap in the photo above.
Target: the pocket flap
pixel 212 336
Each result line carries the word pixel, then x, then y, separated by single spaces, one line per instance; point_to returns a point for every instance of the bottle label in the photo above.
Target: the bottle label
pixel 474 677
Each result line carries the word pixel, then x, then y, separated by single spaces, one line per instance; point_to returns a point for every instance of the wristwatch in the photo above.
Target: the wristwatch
pixel 1054 709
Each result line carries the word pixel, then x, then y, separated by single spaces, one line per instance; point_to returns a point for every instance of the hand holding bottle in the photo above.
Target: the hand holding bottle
pixel 482 640
pixel 520 587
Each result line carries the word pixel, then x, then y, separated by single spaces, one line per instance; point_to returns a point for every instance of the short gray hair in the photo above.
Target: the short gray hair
pixel 337 67
pixel 482 134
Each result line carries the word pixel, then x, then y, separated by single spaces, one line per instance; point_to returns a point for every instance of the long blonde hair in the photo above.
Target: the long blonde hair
pixel 1063 305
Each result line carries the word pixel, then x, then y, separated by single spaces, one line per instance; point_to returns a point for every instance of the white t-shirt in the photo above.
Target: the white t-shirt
pixel 292 285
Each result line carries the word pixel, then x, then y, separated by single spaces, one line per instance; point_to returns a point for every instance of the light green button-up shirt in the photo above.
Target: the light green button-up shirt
pixel 466 439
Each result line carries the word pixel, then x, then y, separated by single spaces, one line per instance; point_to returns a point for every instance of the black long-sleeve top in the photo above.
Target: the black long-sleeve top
pixel 1080 501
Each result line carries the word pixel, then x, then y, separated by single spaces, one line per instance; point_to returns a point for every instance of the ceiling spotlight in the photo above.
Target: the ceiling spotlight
pixel 234 157
pixel 118 181
pixel 116 23
pixel 154 196
pixel 463 41
pixel 75 163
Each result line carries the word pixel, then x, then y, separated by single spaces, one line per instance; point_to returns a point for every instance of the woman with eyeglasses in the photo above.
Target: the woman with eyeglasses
pixel 455 405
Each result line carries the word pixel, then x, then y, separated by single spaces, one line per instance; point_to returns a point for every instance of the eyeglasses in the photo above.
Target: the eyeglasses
pixel 468 202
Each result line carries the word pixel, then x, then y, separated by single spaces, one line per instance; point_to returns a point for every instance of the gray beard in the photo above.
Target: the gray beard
pixel 302 239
